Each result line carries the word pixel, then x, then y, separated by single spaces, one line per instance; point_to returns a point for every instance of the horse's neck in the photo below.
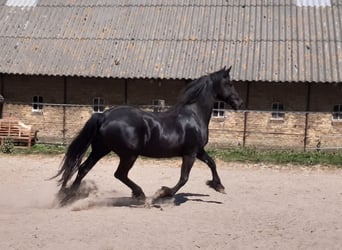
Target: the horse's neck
pixel 204 108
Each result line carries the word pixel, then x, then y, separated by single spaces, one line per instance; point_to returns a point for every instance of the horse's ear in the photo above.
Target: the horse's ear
pixel 228 70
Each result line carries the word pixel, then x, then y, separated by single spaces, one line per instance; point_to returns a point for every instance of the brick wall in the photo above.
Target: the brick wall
pixel 81 90
pixel 324 130
pixel 49 122
pixel 227 131
pixel 21 89
pixel 292 95
pixel 142 92
pixel 324 96
pixel 260 130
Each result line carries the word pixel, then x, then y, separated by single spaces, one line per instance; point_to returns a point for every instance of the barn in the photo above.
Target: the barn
pixel 61 61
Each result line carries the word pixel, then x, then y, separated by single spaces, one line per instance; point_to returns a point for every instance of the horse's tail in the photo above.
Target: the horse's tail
pixel 77 148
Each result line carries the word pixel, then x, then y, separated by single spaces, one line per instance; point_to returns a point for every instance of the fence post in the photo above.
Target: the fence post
pixel 308 99
pixel 306 130
pixel 64 129
pixel 245 115
pixel 2 99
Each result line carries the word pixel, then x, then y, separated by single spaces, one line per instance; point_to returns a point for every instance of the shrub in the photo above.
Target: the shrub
pixel 8 146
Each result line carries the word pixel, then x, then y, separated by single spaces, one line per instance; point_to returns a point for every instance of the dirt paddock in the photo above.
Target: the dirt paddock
pixel 266 207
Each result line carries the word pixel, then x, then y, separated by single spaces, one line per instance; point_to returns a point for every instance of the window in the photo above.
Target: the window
pixel 313 3
pixel 218 110
pixel 278 111
pixel 158 105
pixel 98 105
pixel 337 114
pixel 37 103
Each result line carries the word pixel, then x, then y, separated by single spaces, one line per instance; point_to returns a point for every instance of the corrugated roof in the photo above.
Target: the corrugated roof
pixel 270 40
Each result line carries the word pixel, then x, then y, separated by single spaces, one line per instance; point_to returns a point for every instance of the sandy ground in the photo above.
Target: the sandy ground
pixel 266 207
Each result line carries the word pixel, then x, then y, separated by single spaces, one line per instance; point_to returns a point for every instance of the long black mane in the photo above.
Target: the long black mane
pixel 199 87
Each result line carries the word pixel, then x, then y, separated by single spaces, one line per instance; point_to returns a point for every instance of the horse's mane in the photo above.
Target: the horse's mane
pixel 199 87
pixel 193 90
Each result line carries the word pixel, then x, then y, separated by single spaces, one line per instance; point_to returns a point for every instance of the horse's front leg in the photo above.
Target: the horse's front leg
pixel 215 183
pixel 188 162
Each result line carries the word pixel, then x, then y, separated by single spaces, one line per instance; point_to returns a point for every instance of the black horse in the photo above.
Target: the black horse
pixel 130 132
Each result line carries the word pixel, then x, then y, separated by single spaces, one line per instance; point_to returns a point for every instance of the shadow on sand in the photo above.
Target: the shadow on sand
pixel 185 197
pixel 88 197
pixel 177 200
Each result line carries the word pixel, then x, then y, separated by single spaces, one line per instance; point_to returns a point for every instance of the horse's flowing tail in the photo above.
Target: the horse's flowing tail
pixel 78 147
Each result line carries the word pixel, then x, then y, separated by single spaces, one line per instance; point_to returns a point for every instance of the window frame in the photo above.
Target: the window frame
pixel 337 113
pixel 277 111
pixel 37 103
pixel 219 110
pixel 158 105
pixel 98 104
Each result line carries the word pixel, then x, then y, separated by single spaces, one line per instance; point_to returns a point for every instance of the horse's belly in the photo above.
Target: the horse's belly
pixel 161 151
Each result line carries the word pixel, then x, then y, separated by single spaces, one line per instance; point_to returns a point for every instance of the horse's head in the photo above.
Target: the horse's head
pixel 225 90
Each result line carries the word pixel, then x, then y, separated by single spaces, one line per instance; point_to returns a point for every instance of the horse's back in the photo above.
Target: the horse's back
pixel 122 129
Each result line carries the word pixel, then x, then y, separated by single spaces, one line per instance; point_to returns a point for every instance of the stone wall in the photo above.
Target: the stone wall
pixel 324 131
pixel 227 131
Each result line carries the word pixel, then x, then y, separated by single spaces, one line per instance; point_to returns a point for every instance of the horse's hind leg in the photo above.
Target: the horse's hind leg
pixel 215 183
pixel 96 154
pixel 67 195
pixel 126 163
pixel 86 166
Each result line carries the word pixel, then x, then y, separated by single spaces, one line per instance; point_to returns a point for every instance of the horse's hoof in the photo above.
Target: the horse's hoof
pixel 162 193
pixel 139 197
pixel 221 190
pixel 66 196
pixel 217 186
pixel 65 199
